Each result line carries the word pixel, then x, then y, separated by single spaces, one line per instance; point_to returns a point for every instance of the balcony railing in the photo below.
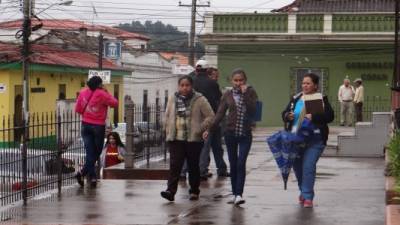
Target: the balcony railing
pixel 301 23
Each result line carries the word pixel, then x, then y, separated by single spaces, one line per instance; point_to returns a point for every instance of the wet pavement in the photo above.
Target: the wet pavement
pixel 348 192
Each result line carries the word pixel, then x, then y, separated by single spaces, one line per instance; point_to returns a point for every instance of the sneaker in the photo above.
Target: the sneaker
pixel 168 195
pixel 194 197
pixel 232 200
pixel 79 179
pixel 301 200
pixel 239 200
pixel 308 204
pixel 93 183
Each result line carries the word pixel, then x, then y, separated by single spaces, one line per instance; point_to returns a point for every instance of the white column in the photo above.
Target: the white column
pixel 211 55
pixel 292 23
pixel 208 23
pixel 328 23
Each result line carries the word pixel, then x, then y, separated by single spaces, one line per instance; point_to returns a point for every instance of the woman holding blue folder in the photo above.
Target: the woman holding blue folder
pixel 294 116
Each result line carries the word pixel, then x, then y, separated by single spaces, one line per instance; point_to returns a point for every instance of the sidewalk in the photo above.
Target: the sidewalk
pixel 349 192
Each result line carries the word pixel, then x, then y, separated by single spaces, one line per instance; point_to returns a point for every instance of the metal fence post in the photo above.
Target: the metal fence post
pixel 130 133
pixel 59 154
pixel 148 136
pixel 24 149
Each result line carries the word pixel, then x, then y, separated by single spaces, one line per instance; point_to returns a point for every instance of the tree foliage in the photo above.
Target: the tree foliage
pixel 164 37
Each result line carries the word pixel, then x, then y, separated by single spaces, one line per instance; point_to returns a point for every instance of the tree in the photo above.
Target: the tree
pixel 163 37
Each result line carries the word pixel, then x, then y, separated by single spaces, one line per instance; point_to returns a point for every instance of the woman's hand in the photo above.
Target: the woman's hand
pixel 243 88
pixel 290 116
pixel 308 116
pixel 205 135
pixel 121 158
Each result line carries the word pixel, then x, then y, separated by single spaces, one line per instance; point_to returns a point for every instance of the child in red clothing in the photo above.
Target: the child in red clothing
pixel 113 151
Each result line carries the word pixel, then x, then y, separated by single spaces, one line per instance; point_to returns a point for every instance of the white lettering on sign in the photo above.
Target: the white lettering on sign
pixel 2 88
pixel 105 75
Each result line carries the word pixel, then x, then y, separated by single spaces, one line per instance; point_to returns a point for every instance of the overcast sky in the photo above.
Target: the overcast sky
pixel 113 12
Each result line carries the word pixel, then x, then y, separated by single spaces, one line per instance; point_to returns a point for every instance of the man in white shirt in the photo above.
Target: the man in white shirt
pixel 345 96
pixel 359 99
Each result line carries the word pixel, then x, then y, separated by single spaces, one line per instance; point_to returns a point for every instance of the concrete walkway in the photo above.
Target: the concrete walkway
pixel 348 192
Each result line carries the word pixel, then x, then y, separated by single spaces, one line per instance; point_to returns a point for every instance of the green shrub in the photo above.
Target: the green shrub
pixel 394 156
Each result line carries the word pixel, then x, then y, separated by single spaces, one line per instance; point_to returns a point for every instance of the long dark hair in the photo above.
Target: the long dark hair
pixel 115 135
pixel 94 83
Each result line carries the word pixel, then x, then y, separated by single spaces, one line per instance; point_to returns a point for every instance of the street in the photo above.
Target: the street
pixel 348 191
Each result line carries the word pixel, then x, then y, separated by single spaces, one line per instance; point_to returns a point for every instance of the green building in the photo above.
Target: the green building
pixel 333 39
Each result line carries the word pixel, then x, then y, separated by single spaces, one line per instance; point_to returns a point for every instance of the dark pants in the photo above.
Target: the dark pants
pixel 238 149
pixel 179 152
pixel 358 109
pixel 214 142
pixel 93 139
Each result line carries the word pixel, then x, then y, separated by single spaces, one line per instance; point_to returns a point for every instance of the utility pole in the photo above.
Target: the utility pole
pixel 194 6
pixel 26 33
pixel 101 49
pixel 396 69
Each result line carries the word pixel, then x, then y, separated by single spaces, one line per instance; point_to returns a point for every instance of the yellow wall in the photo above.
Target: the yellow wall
pixel 46 102
pixel 5 97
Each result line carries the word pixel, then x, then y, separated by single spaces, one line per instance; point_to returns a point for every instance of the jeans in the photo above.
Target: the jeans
pixel 214 142
pixel 179 152
pixel 305 166
pixel 238 149
pixel 93 139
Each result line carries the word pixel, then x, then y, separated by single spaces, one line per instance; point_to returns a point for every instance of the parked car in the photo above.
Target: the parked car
pixel 137 140
pixel 151 134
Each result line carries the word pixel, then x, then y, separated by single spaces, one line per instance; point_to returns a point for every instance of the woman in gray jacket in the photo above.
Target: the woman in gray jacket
pixel 188 115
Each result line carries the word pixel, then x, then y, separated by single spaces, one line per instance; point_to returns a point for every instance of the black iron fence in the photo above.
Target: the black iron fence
pixel 371 104
pixel 54 151
pixel 146 133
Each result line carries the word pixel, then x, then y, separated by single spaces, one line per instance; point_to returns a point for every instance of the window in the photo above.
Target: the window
pixel 62 91
pixel 298 74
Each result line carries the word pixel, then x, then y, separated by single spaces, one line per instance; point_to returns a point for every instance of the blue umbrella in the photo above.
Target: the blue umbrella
pixel 285 146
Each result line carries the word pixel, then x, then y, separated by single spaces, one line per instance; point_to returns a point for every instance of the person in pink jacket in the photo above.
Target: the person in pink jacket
pixel 92 104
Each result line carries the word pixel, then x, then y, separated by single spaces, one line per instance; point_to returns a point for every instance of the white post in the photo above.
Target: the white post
pixel 328 23
pixel 211 55
pixel 292 23
pixel 208 23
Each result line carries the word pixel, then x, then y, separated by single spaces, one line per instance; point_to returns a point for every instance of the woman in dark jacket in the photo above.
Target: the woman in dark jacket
pixel 240 102
pixel 305 165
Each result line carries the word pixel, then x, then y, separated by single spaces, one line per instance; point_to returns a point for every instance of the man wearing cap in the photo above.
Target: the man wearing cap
pixel 345 96
pixel 210 89
pixel 358 99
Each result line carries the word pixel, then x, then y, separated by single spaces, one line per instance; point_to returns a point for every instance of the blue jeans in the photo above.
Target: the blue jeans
pixel 214 142
pixel 93 139
pixel 305 167
pixel 238 149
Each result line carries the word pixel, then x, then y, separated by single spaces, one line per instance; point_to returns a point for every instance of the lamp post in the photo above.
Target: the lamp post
pixel 396 70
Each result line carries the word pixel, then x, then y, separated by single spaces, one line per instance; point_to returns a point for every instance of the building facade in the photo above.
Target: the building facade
pixel 330 38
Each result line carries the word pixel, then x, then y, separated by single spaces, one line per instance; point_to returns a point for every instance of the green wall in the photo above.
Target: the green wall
pixel 269 69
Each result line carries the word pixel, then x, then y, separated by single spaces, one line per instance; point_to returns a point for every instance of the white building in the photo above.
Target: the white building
pixel 155 76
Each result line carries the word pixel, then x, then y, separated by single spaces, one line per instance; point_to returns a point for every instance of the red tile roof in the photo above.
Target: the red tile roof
pixel 67 24
pixel 182 59
pixel 54 56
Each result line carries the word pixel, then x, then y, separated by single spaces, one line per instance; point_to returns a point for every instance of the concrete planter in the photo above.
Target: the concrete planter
pixel 392 201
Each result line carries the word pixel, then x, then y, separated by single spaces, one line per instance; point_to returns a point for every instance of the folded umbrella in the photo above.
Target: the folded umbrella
pixel 285 146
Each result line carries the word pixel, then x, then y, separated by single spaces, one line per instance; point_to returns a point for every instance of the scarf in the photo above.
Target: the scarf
pixel 241 112
pixel 182 104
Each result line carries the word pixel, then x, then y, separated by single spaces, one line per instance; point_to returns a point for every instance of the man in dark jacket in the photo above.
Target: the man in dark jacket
pixel 210 89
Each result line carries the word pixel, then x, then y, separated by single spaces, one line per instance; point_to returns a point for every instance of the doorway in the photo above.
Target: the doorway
pixel 18 115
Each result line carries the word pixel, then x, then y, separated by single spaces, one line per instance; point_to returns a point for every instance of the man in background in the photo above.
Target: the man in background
pixel 345 96
pixel 358 99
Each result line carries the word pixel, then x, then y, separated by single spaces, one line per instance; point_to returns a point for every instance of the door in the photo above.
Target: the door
pixel 18 115
pixel 62 91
